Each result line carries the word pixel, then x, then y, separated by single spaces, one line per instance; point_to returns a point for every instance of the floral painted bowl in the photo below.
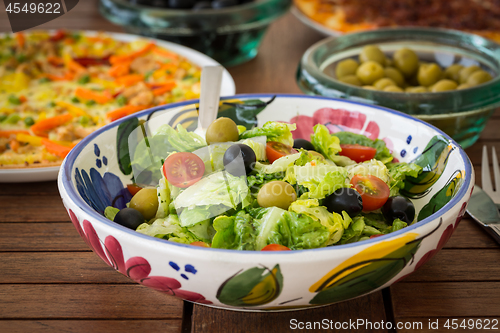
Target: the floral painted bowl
pixel 96 172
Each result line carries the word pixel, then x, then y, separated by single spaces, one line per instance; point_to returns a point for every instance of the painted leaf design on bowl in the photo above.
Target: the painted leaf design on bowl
pixel 336 120
pixel 99 191
pixel 122 135
pixel 433 161
pixel 253 287
pixel 443 196
pixel 366 271
pixel 136 268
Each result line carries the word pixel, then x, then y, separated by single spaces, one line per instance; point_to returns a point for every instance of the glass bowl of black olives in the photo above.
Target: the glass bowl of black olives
pixel 448 78
pixel 229 31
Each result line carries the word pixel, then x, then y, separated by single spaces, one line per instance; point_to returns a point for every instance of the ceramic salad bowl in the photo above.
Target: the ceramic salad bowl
pixel 95 174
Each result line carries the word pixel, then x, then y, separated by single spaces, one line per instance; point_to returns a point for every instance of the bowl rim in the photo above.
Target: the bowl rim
pixel 65 182
pixel 307 65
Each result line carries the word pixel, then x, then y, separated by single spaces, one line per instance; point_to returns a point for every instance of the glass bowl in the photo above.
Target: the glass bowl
pixel 231 35
pixel 462 114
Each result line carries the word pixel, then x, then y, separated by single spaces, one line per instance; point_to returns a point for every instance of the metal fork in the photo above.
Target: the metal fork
pixel 486 182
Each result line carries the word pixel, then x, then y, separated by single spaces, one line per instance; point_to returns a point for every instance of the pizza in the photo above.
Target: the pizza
pixel 57 88
pixel 475 16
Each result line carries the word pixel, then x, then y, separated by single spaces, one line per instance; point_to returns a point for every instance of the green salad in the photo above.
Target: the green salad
pixel 259 189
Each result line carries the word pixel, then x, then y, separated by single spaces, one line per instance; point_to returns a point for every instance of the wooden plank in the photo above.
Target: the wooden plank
pixel 370 308
pixel 270 60
pixel 38 236
pixel 75 301
pixel 475 151
pixel 47 208
pixel 38 189
pixel 469 235
pixel 454 265
pixel 437 325
pixel 446 299
pixel 66 267
pixel 94 326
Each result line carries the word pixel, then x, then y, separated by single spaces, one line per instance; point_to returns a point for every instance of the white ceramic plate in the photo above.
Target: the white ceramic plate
pixel 50 173
pixel 313 24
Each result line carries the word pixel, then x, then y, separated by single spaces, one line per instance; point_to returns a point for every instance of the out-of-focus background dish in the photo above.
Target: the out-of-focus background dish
pixel 253 280
pixel 462 114
pixel 231 35
pixel 346 16
pixel 75 106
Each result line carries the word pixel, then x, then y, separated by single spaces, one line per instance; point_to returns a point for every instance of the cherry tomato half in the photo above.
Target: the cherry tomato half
pixel 275 247
pixel 358 153
pixel 183 169
pixel 275 150
pixel 133 188
pixel 200 244
pixel 374 191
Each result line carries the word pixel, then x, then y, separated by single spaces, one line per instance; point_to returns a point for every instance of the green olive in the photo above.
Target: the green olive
pixel 393 89
pixel 444 85
pixel 222 130
pixel 464 86
pixel 346 67
pixel 384 82
pixel 369 72
pixel 466 72
pixel 146 202
pixel 428 74
pixel 395 75
pixel 452 72
pixel 389 62
pixel 373 53
pixel 276 194
pixel 406 61
pixel 415 90
pixel 351 79
pixel 479 77
pixel 369 87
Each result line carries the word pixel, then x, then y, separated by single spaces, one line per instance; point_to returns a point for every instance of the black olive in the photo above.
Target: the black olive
pixel 232 161
pixel 181 4
pixel 130 218
pixel 224 3
pixel 344 199
pixel 398 208
pixel 303 143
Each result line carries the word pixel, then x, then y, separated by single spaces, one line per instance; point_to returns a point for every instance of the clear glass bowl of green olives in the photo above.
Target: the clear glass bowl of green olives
pixel 448 78
pixel 229 31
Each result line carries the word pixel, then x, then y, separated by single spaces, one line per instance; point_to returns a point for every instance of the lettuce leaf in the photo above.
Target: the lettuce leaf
pixel 321 180
pixel 274 131
pixel 234 232
pixel 325 143
pixel 333 222
pixel 306 232
pixel 168 228
pixel 280 165
pixel 110 212
pixel 163 198
pixel 272 228
pixel 398 173
pixel 383 153
pixel 354 232
pixel 220 188
pixel 372 167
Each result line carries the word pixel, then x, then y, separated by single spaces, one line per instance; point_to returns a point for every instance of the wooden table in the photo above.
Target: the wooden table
pixel 50 281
